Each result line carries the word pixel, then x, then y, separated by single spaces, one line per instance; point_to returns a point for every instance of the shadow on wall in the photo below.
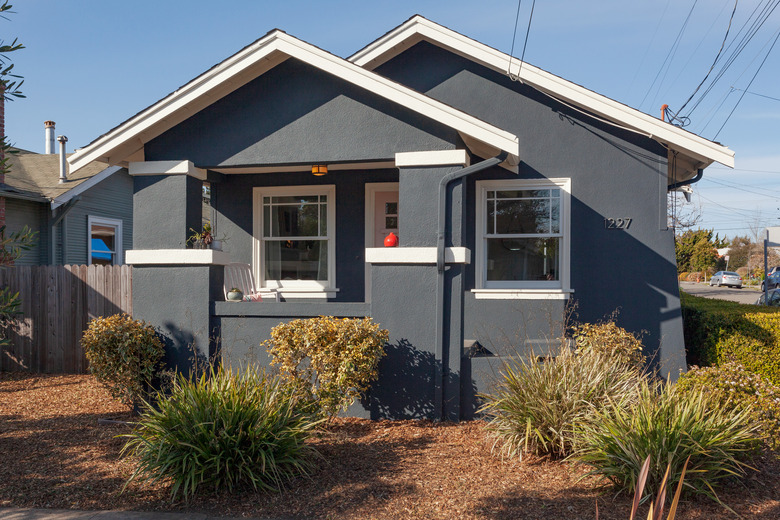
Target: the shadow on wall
pixel 406 386
pixel 57 303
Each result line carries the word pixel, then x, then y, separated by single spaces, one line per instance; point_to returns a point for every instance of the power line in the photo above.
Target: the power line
pixel 749 84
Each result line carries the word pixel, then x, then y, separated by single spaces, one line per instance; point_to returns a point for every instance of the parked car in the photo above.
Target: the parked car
pixel 772 281
pixel 726 278
pixel 773 270
pixel 774 298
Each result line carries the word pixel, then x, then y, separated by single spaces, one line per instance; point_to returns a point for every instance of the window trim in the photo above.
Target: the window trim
pixel 294 288
pixel 118 246
pixel 522 289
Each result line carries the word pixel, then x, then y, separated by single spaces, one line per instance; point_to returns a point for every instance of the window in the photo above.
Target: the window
pixel 104 245
pixel 522 235
pixel 294 238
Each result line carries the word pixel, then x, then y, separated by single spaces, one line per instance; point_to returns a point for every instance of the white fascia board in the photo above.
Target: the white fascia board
pixel 166 168
pixel 278 42
pixel 416 255
pixel 420 28
pixel 432 158
pixel 84 186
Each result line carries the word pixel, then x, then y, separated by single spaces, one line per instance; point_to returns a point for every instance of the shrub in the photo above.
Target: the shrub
pixel 669 426
pixel 332 360
pixel 683 277
pixel 537 406
pixel 718 332
pixel 124 354
pixel 609 339
pixel 732 385
pixel 220 431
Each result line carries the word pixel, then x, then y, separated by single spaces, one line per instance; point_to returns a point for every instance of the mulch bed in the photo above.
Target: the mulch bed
pixel 54 454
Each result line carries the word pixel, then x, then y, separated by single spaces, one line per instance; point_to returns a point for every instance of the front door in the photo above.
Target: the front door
pixel 381 218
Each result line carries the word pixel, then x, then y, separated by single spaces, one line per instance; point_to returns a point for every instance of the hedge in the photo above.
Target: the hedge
pixel 718 331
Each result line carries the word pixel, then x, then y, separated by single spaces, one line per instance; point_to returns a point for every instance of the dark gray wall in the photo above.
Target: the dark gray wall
pixel 20 213
pixel 298 114
pixel 165 207
pixel 111 198
pixel 614 173
pixel 234 218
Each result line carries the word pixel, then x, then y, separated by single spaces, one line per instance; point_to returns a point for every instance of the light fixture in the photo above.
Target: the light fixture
pixel 319 170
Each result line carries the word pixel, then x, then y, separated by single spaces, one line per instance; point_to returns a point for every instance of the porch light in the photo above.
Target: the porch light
pixel 319 170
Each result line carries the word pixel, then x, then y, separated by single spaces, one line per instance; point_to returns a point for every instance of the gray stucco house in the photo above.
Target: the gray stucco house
pixel 510 200
pixel 87 218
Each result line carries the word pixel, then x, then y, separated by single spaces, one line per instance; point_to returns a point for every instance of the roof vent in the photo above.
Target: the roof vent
pixel 63 163
pixel 49 129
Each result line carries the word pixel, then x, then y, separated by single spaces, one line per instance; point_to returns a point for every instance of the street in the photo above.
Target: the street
pixel 745 295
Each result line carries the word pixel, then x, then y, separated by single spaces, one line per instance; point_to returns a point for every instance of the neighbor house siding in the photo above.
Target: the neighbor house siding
pixel 20 213
pixel 110 198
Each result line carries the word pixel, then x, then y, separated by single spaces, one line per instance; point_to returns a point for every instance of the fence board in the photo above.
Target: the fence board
pixel 57 304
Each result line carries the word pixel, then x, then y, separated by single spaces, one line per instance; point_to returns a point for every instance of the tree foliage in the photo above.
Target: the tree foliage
pixel 697 250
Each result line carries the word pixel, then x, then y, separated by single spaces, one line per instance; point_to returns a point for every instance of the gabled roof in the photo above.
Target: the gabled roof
pixel 418 29
pixel 36 177
pixel 128 138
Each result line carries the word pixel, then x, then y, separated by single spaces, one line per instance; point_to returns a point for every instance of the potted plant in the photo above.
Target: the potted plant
pixel 205 239
pixel 235 295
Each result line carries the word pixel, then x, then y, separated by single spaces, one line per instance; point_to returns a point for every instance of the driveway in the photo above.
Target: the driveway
pixel 744 295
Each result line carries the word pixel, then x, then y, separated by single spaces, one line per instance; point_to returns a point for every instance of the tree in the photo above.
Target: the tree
pixel 697 250
pixel 14 244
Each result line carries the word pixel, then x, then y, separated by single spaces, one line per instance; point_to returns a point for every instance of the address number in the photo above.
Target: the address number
pixel 617 223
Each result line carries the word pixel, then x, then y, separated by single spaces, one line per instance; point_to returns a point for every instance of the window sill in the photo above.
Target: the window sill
pixel 522 294
pixel 294 293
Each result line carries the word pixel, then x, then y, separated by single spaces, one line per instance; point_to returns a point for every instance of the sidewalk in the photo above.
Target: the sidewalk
pixel 10 513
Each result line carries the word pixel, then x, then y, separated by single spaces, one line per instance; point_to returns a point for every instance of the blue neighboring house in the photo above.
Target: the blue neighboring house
pixel 512 200
pixel 86 219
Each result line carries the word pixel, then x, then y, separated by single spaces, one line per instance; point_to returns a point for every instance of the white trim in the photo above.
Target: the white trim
pixel 118 245
pixel 419 28
pixel 177 257
pixel 371 189
pixel 250 63
pixel 416 255
pixel 294 286
pixel 525 294
pixel 480 270
pixel 84 186
pixel 166 168
pixel 432 158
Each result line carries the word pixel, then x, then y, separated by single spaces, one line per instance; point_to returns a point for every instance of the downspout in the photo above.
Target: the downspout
pixel 441 371
pixel 676 185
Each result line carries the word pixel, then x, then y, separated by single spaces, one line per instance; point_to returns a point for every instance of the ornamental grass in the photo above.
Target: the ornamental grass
pixel 221 431
pixel 670 427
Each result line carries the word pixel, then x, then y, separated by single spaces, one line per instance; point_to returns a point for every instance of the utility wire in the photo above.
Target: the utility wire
pixel 717 57
pixel 749 84
pixel 527 32
pixel 514 35
pixel 757 94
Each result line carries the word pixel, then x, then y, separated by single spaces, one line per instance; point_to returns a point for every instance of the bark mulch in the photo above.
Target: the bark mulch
pixel 54 454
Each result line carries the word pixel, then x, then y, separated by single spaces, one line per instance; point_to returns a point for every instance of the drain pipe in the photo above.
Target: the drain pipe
pixel 676 185
pixel 442 372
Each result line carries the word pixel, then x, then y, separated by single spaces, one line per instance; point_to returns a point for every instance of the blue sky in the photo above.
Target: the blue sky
pixel 91 64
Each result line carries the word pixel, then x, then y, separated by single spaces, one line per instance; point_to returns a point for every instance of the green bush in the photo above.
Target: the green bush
pixel 609 339
pixel 669 426
pixel 332 360
pixel 223 430
pixel 538 406
pixel 717 332
pixel 124 355
pixel 732 385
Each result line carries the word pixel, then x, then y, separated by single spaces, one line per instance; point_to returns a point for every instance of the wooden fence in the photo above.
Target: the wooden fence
pixel 57 304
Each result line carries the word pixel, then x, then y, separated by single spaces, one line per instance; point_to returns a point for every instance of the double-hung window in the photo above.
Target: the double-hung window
pixel 523 238
pixel 294 239
pixel 104 246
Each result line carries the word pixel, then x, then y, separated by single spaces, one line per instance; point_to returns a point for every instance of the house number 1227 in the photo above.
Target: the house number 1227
pixel 617 223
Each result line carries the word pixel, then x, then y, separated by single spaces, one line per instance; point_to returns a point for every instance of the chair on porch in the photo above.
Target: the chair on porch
pixel 240 276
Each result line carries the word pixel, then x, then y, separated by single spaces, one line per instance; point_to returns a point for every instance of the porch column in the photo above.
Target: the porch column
pixel 421 375
pixel 174 287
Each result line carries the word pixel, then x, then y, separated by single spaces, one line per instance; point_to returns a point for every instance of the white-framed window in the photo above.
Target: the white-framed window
pixel 294 237
pixel 104 241
pixel 523 235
